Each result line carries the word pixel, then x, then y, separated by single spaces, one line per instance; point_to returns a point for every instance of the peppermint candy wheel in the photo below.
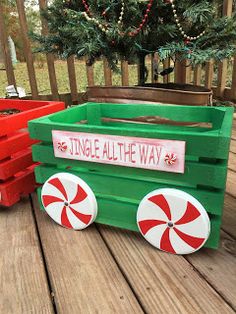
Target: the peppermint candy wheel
pixel 170 159
pixel 173 221
pixel 62 146
pixel 69 201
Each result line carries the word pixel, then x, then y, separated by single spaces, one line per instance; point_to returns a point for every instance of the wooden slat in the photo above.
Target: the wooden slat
pixel 6 51
pixel 209 74
pixel 90 75
pixel 229 216
pixel 84 276
pixel 218 268
pixel 233 146
pixel 124 73
pixel 222 76
pixel 107 73
pixel 27 48
pixel 72 78
pixel 233 85
pixel 231 183
pixel 182 72
pixel 49 56
pixel 232 161
pixel 166 65
pixel 164 283
pixel 222 69
pixel 154 63
pixel 24 287
pixel 197 75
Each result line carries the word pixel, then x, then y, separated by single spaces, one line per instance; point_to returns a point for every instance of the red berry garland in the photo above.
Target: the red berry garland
pixel 88 14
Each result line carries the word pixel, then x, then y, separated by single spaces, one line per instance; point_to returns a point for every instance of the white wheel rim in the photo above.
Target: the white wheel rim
pixel 173 221
pixel 69 201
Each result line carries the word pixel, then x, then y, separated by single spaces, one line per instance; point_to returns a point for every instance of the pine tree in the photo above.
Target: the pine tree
pixel 131 29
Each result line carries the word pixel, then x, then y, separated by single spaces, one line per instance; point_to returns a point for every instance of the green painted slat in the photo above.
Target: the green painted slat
pixel 132 188
pixel 124 216
pixel 196 173
pixel 202 145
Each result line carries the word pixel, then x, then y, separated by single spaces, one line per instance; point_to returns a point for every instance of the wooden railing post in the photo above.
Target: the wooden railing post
pixel 6 52
pixel 107 73
pixel 124 73
pixel 72 78
pixel 27 48
pixel 49 56
pixel 233 86
pixel 222 69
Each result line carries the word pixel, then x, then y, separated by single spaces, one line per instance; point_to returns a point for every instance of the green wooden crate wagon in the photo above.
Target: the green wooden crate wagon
pixel 160 170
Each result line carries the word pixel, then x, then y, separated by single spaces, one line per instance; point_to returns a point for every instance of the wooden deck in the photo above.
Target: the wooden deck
pixel 48 269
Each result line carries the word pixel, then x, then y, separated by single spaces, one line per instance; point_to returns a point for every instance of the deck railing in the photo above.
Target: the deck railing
pixel 220 77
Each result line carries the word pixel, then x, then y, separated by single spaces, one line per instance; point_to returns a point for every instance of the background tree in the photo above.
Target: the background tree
pixel 131 29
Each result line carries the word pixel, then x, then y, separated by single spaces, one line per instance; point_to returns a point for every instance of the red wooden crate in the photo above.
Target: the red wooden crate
pixel 16 164
pixel 22 183
pixel 29 110
pixel 14 143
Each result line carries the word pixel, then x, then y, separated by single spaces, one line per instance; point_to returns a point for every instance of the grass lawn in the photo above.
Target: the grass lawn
pixel 22 80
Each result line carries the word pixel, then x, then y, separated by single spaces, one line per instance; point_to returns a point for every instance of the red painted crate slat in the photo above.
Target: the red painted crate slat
pixel 14 143
pixel 18 161
pixel 11 190
pixel 29 111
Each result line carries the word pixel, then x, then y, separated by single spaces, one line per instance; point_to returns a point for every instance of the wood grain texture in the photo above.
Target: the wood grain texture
pixel 222 69
pixel 124 73
pixel 209 73
pixel 5 49
pixel 232 161
pixel 107 73
pixel 49 56
pixel 83 274
pixel 231 183
pixel 233 146
pixel 27 48
pixel 218 267
pixel 233 85
pixel 72 78
pixel 166 65
pixel 164 283
pixel 24 287
pixel 90 75
pixel 197 75
pixel 229 215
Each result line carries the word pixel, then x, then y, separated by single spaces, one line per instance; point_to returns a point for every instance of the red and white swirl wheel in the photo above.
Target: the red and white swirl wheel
pixel 170 159
pixel 69 201
pixel 173 221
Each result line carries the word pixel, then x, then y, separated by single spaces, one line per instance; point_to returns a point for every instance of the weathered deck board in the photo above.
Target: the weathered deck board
pixel 232 161
pixel 233 146
pixel 164 283
pixel 231 183
pixel 218 267
pixel 24 287
pixel 229 216
pixel 83 274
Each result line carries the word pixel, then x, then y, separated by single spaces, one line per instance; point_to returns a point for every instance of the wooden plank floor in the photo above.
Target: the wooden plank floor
pixel 48 269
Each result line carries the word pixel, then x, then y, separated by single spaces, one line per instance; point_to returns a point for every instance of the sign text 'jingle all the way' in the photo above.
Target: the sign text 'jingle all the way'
pixel 156 154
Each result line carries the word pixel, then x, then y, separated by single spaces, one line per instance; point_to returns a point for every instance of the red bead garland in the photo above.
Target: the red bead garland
pixel 137 30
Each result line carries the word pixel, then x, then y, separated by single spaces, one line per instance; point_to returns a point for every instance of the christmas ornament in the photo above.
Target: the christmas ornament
pixel 69 201
pixel 173 221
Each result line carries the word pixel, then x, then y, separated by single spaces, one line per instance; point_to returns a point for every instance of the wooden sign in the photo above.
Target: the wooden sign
pixel 147 153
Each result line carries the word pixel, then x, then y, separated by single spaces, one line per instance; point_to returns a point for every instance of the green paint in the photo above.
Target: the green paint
pixel 205 168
